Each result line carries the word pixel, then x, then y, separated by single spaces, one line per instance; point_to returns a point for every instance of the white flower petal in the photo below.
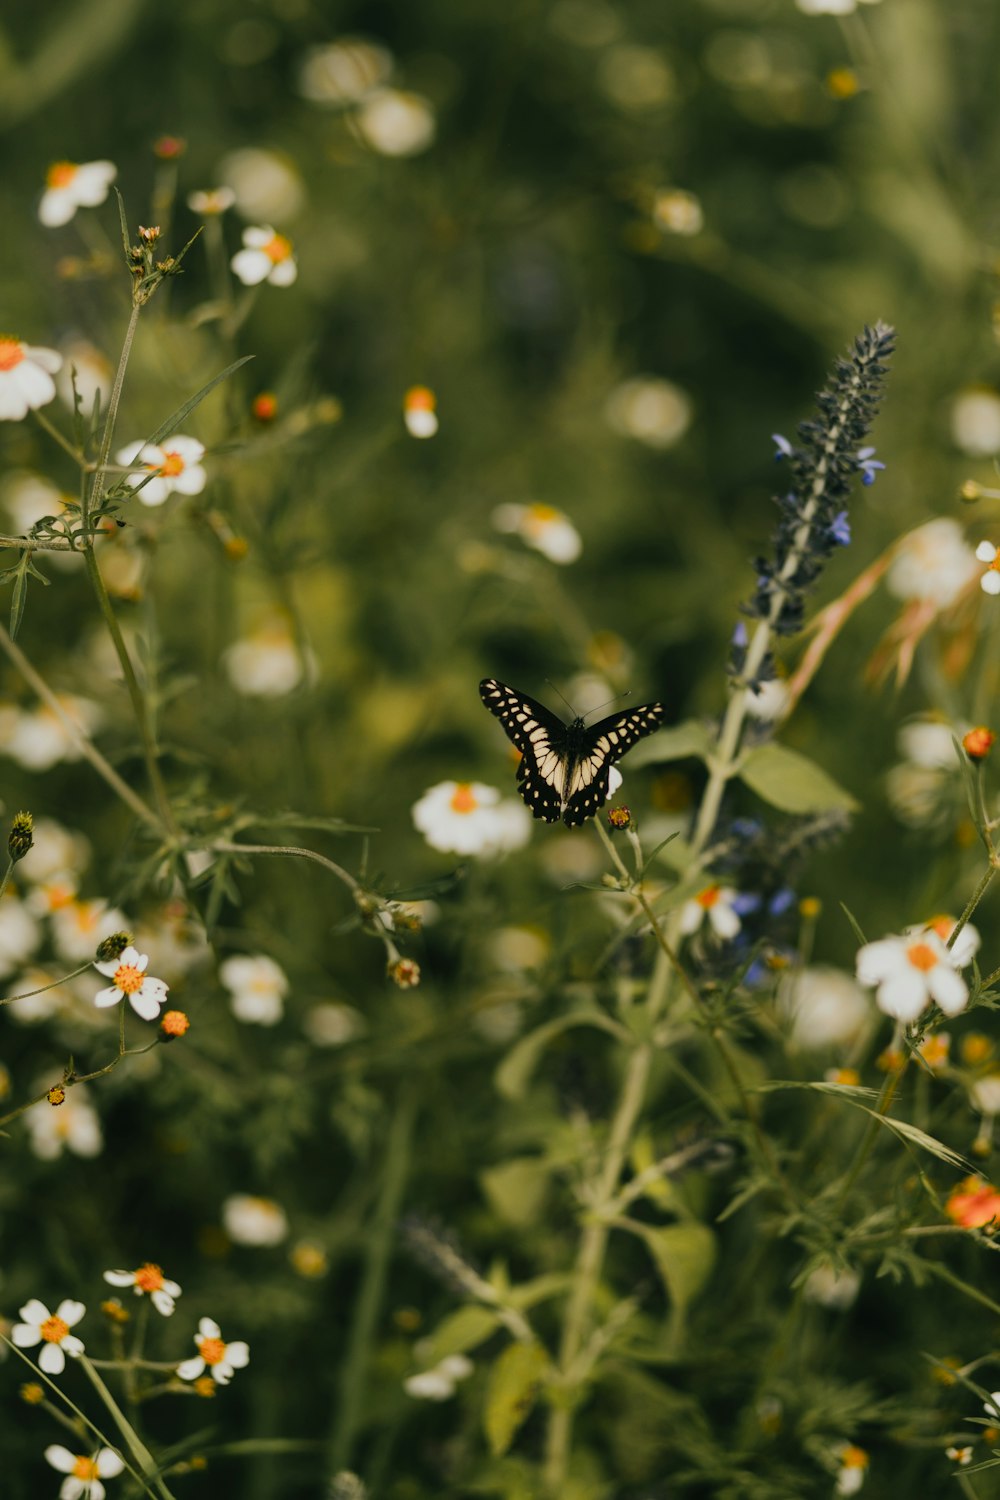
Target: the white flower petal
pixel 109 1463
pixel 990 583
pixel 72 1346
pixel 52 1360
pixel 146 1004
pixel 71 1312
pixel 110 996
pixel 876 961
pixel 190 1369
pixel 60 1458
pixel 34 1311
pixel 26 1335
pixel 250 266
pixel 238 1354
pixel 120 1278
pixel 209 1329
pixel 903 996
pixel 948 988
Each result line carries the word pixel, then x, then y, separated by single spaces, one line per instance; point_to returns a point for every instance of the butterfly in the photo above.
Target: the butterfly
pixel 564 768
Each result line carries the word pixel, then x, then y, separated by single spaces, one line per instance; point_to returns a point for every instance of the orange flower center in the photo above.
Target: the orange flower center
pixel 212 1351
pixel 54 1330
pixel 278 248
pixel 128 979
pixel 543 515
pixel 61 174
pixel 853 1458
pixel 922 956
pixel 175 1023
pixel 463 799
pixel 11 352
pixel 149 1278
pixel 85 1468
pixel 708 897
pixel 171 466
pixel 942 925
pixel 419 398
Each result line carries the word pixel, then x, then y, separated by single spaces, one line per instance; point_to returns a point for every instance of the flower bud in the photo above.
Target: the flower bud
pixel 173 1023
pixel 978 742
pixel 21 836
pixel 619 818
pixel 113 946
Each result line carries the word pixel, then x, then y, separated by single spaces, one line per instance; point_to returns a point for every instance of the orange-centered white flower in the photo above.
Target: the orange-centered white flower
pixel 542 527
pixel 219 1358
pixel 910 972
pixel 52 1330
pixel 266 256
pixel 25 377
pixel 717 904
pixel 83 1472
pixel 130 981
pixel 148 1280
pixel 467 817
pixel 174 464
pixel 71 185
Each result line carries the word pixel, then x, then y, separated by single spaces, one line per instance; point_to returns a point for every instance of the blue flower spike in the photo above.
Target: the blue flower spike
pixel 868 465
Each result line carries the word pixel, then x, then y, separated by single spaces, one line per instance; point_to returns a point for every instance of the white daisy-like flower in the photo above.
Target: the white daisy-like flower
pixel 25 377
pixel 266 256
pixel 332 1025
pixel 829 1287
pixel 84 1472
pixel 826 1007
pixel 39 739
pixel 254 1221
pixel 466 817
pixel 853 1460
pixel 71 1126
pixel 268 663
pixel 78 927
pixel 929 743
pixel 148 1280
pixel 548 530
pixel 175 465
pixel 990 581
pixel 130 981
pixel 677 212
pixel 219 1358
pixel 439 1383
pixel 649 410
pixel 933 563
pixel 419 411
pixel 911 972
pixel 267 184
pixel 965 946
pixel 71 185
pixel 344 71
pixel 985 1094
pixel 992 1406
pixel 395 123
pixel 55 852
pixel 718 904
pixel 19 935
pixel 257 988
pixel 975 421
pixel 39 1326
pixel 211 201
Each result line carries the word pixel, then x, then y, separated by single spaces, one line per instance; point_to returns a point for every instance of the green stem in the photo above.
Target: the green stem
pixel 973 902
pixel 589 1260
pixel 353 1380
pixel 222 847
pixel 107 438
pixel 139 1451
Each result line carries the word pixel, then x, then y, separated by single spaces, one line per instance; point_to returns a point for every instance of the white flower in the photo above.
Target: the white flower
pixel 257 988
pixel 25 377
pixel 965 946
pixel 396 123
pixel 19 935
pixel 543 527
pixel 78 927
pixel 419 412
pixel 175 465
pixel 769 701
pixel 254 1221
pixel 211 200
pixel 344 71
pixel 39 1326
pixel 826 1007
pixel 933 563
pixel 38 739
pixel 910 972
pixel 332 1025
pixel 992 1406
pixel 717 903
pixel 267 184
pixel 985 1094
pixel 466 817
pixel 148 1279
pixel 439 1383
pixel 268 663
pixel 990 581
pixel 650 410
pixel 72 1126
pixel 83 1473
pixel 677 212
pixel 975 422
pixel 55 851
pixel 69 186
pixel 221 1359
pixel 130 981
pixel 929 743
pixel 831 1288
pixel 90 370
pixel 266 256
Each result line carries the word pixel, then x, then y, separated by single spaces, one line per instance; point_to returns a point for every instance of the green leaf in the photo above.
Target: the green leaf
pixel 792 782
pixel 177 417
pixel 679 743
pixel 514 1383
pixel 462 1330
pixel 855 925
pixel 854 1094
pixel 539 1289
pixel 684 1255
pixel 517 1189
pixel 514 1073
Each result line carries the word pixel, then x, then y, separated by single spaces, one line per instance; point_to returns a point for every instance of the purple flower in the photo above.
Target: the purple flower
pixel 868 465
pixel 783 448
pixel 840 527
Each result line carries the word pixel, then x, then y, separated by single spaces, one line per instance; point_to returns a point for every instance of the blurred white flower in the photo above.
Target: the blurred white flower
pixel 934 562
pixel 677 212
pixel 990 555
pixel 826 1007
pixel 831 8
pixel 266 183
pixel 542 527
pixel 975 421
pixel 39 1326
pixel 853 1460
pixel 267 663
pixel 718 904
pixel 929 743
pixel 911 972
pixel 38 739
pixel 213 1355
pixel 211 201
pixel 20 934
pixel 965 946
pixel 344 71
pixel 332 1025
pixel 78 926
pixel 84 363
pixel 25 378
pixel 650 410
pixel 396 123
pixel 29 497
pixel 254 1221
pixel 129 981
pixel 52 998
pixel 174 938
pixel 266 256
pixel 84 1471
pixel 832 1288
pixel 514 949
pixel 769 701
pixel 985 1094
pixel 439 1383
pixel 419 412
pixel 257 987
pixel 71 185
pixel 175 465
pixel 148 1279
pixel 466 817
pixel 71 1126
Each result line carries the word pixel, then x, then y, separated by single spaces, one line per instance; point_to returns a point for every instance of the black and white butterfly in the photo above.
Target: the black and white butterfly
pixel 564 768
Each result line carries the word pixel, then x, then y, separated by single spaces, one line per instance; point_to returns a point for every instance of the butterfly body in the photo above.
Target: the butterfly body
pixel 565 768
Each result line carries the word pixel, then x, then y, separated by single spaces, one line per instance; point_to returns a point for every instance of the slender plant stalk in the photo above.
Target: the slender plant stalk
pixel 93 496
pixel 147 1464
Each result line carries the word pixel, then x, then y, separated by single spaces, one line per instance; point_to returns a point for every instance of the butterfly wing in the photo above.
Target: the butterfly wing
pixel 540 736
pixel 598 749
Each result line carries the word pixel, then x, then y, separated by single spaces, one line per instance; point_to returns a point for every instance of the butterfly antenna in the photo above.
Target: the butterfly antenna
pixel 627 694
pixel 562 696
